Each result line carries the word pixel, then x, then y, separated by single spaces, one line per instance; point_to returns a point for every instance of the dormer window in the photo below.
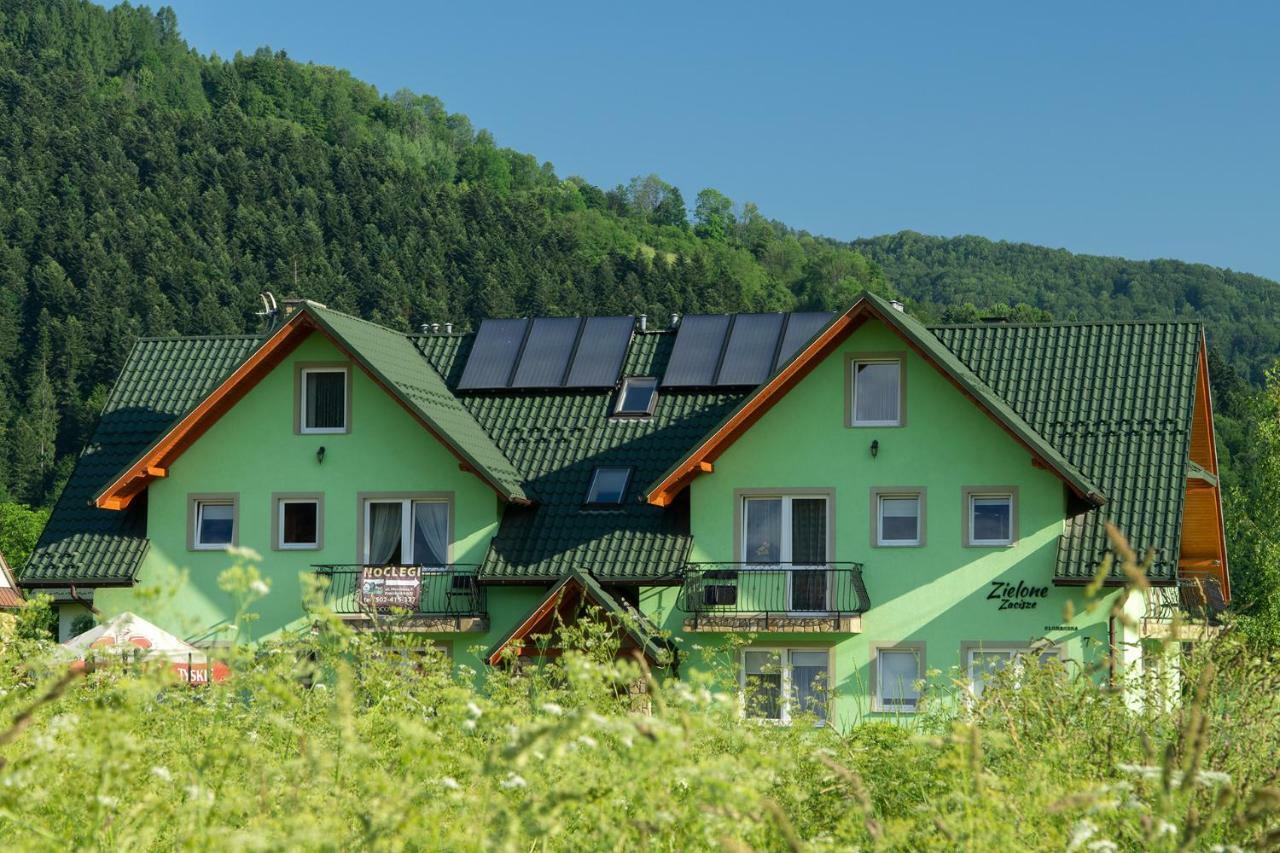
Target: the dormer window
pixel 638 397
pixel 608 486
pixel 324 400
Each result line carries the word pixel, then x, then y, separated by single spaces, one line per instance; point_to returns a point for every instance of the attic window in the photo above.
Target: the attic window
pixel 638 397
pixel 608 486
pixel 323 400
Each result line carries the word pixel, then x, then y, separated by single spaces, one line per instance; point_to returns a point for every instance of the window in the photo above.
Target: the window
pixel 898 517
pixel 983 660
pixel 323 404
pixel 212 520
pixel 638 396
pixel 298 522
pixel 788 530
pixel 895 675
pixel 778 684
pixel 406 532
pixel 608 486
pixel 876 393
pixel 990 516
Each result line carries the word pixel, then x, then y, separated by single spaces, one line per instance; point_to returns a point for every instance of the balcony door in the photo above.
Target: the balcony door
pixel 406 532
pixel 791 532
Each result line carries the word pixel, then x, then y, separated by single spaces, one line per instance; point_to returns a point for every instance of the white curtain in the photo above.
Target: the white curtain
pixel 431 534
pixel 384 532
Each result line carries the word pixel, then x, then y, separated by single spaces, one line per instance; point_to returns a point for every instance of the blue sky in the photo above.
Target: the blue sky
pixel 1134 129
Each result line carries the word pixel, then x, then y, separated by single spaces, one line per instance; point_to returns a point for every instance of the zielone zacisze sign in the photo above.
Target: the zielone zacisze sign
pixel 1016 596
pixel 390 587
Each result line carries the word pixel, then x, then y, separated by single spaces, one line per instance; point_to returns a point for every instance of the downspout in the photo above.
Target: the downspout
pixel 75 596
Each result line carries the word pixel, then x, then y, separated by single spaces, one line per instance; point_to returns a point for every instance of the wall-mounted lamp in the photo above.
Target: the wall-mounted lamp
pixel 320 455
pixel 875 448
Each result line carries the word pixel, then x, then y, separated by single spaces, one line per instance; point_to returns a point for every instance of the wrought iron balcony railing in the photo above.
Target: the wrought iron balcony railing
pixel 774 589
pixel 356 589
pixel 1196 599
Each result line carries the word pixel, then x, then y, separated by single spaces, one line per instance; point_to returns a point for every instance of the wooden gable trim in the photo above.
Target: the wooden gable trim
pixel 156 460
pixel 552 603
pixel 703 458
pixel 1200 528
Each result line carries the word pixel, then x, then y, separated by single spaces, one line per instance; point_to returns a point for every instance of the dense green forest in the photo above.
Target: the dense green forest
pixel 146 189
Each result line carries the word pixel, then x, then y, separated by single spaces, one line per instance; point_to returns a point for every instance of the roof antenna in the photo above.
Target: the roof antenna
pixel 270 309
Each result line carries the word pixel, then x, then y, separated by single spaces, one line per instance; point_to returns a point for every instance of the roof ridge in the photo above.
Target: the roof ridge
pixel 162 338
pixel 1063 324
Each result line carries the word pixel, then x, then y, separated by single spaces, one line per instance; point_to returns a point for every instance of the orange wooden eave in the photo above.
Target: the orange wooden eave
pixel 525 628
pixel 702 460
pixel 1204 445
pixel 155 463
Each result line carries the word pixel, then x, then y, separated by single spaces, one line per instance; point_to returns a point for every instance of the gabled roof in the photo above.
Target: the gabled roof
pixel 162 379
pixel 389 359
pixel 576 588
pixel 702 456
pixel 10 595
pixel 1117 399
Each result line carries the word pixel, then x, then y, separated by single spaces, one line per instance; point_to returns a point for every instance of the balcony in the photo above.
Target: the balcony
pixel 774 597
pixel 1188 610
pixel 406 598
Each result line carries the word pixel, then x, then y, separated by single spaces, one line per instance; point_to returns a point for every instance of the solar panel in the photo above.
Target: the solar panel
pixel 748 356
pixel 601 348
pixel 493 354
pixel 696 353
pixel 546 352
pixel 801 327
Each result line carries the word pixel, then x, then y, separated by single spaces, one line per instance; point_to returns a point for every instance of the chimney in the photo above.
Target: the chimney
pixel 448 328
pixel 424 328
pixel 897 306
pixel 642 323
pixel 435 328
pixel 291 305
pixel 675 320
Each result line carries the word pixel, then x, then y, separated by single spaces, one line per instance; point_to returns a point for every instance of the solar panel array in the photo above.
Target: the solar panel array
pixel 737 349
pixel 547 352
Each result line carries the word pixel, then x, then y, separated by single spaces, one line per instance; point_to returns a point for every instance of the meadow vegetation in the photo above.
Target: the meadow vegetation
pixel 327 738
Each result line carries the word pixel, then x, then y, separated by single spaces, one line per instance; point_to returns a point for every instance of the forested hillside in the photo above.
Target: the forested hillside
pixel 148 190
pixel 950 276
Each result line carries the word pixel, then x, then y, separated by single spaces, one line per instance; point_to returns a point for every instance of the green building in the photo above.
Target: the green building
pixel 844 501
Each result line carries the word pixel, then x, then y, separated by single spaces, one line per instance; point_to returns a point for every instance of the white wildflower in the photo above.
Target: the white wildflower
pixel 260 586
pixel 244 552
pixel 1214 777
pixel 1166 828
pixel 473 709
pixel 322 687
pixel 162 773
pixel 588 741
pixel 108 802
pixel 513 780
pixel 1080 833
pixel 553 709
pixel 1103 844
pixel 469 725
pixel 450 783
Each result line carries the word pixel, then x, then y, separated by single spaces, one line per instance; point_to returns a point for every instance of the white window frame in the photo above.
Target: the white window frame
pixel 785 698
pixel 881 497
pixel 878 703
pixel 302 401
pixel 406 528
pixel 281 545
pixel 786 546
pixel 197 508
pixel 618 411
pixel 1017 652
pixel 973 496
pixel 853 397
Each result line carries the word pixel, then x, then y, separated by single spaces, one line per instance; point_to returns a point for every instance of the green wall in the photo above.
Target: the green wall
pixel 936 593
pixel 254 451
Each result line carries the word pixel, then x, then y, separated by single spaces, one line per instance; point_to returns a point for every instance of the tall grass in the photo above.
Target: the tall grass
pixel 331 739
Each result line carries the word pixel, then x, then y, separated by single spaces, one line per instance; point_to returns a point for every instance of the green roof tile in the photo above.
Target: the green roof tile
pixel 162 379
pixel 1116 400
